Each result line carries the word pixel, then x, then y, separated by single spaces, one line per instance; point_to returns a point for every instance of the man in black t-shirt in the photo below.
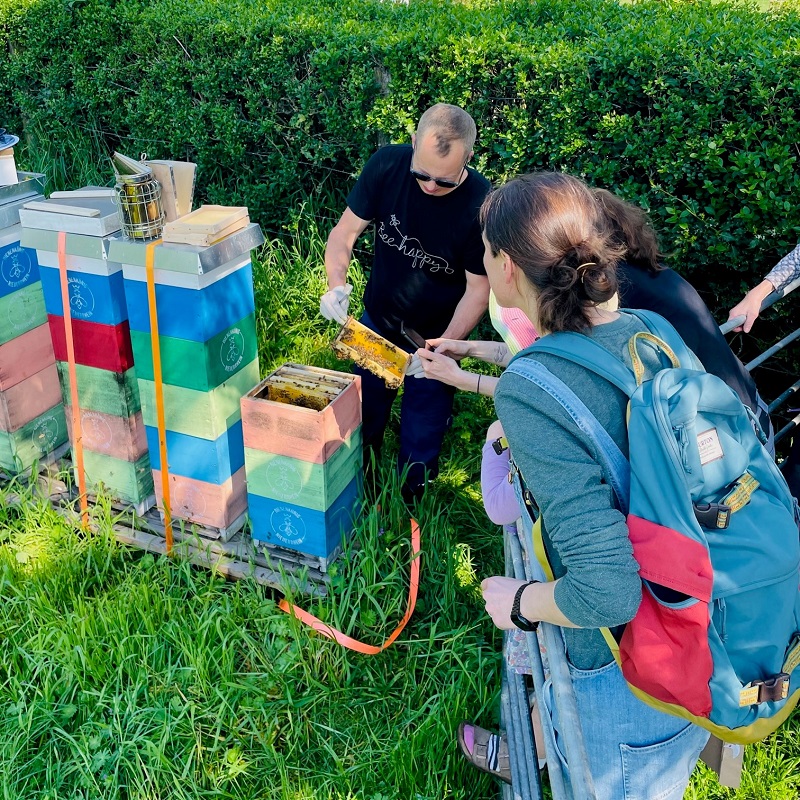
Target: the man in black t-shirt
pixel 427 272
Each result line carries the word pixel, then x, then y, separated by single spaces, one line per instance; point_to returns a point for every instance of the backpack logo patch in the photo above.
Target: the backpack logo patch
pixel 709 446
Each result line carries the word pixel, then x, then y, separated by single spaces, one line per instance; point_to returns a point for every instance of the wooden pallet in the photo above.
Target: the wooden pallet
pixel 230 559
pixel 237 558
pixel 154 521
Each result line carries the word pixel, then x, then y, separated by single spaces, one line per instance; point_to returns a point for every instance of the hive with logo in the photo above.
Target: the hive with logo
pixel 102 378
pixel 303 455
pixel 32 424
pixel 208 350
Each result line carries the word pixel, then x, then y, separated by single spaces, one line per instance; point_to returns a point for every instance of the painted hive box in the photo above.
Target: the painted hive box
pixel 205 310
pixel 116 460
pixel 303 459
pixel 32 425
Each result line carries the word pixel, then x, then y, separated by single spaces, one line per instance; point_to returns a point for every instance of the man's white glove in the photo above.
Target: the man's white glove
pixel 333 305
pixel 415 367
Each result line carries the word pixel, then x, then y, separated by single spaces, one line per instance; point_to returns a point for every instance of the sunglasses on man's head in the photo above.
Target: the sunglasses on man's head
pixel 441 182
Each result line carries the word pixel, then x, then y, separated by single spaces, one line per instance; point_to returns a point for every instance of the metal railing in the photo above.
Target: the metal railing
pixel 515 709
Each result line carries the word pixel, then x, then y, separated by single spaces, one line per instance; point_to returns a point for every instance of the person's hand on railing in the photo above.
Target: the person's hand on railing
pixel 750 306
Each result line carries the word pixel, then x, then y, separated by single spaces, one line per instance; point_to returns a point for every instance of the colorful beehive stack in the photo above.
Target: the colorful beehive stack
pixel 32 425
pixel 116 460
pixel 303 456
pixel 209 360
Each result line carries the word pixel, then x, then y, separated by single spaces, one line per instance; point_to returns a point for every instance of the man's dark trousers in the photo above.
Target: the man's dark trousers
pixel 425 415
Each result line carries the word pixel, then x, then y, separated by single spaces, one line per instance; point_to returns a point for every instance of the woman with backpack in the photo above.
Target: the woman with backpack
pixel 549 254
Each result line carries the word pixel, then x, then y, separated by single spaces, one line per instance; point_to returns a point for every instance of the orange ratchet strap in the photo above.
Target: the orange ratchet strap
pixel 77 431
pixel 347 641
pixel 149 259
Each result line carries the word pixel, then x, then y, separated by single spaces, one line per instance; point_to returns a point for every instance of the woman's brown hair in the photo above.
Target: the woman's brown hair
pixel 631 227
pixel 551 227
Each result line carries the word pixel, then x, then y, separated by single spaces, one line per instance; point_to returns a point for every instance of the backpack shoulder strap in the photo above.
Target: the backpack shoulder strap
pixel 615 465
pixel 589 354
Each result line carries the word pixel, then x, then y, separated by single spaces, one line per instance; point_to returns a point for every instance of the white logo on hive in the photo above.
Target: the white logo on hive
pixel 232 351
pixel 411 247
pixel 15 266
pixel 283 479
pixel 45 433
pixel 97 433
pixel 23 314
pixel 288 525
pixel 81 299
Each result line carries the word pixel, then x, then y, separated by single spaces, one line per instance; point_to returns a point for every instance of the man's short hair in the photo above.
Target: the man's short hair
pixel 448 124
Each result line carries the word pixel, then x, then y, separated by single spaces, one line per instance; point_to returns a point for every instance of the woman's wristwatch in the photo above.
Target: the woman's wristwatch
pixel 521 622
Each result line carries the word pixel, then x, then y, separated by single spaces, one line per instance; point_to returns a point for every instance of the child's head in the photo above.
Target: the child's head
pixel 630 227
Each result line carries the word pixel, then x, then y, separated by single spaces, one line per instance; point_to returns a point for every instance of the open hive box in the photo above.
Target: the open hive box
pixel 303 458
pixel 372 351
pixel 305 387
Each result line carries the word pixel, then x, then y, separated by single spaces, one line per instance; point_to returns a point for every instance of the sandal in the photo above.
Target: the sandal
pixel 486 751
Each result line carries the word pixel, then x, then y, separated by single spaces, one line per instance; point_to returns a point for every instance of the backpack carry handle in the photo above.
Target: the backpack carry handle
pixel 585 351
pixel 666 332
pixel 636 360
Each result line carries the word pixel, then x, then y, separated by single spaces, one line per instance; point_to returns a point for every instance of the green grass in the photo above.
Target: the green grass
pixel 125 676
pixel 132 677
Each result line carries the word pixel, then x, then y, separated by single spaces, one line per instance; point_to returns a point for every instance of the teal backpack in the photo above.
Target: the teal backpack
pixel 714 530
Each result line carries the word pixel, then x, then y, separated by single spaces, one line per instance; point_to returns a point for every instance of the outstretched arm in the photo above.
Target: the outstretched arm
pixel 782 274
pixel 490 352
pixel 445 369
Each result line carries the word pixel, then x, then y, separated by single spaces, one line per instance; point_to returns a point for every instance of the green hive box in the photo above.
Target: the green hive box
pixel 22 311
pixel 44 437
pixel 201 366
pixel 304 483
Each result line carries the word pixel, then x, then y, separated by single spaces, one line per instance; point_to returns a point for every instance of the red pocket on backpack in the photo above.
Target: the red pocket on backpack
pixel 664 650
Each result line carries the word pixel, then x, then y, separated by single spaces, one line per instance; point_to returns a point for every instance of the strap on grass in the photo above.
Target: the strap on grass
pixel 347 641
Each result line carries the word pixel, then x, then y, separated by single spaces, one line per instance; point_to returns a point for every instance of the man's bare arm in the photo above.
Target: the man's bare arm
pixel 470 308
pixel 339 249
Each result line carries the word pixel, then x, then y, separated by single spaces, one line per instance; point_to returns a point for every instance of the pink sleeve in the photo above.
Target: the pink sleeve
pixel 499 499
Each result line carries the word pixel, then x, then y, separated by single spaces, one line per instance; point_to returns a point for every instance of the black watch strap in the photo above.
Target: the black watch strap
pixel 516 617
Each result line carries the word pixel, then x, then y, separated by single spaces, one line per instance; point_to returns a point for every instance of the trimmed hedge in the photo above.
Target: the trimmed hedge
pixel 691 110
